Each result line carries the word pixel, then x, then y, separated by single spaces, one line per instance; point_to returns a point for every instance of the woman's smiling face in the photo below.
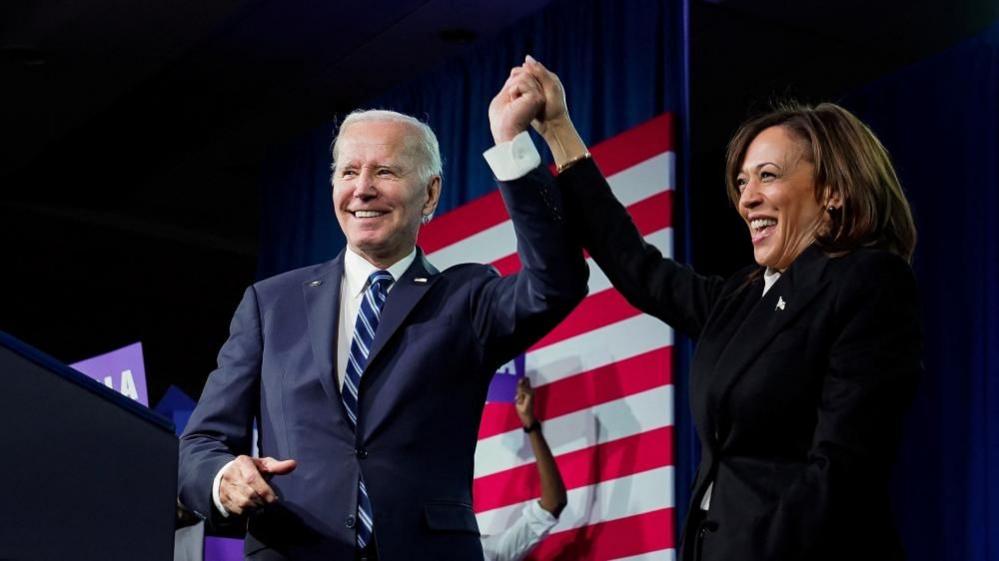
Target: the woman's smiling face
pixel 777 198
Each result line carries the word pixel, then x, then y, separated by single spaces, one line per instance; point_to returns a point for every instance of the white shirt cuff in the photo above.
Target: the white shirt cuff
pixel 216 486
pixel 514 159
pixel 539 519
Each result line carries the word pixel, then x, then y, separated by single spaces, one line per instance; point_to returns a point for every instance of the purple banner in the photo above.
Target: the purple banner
pixel 223 549
pixel 122 370
pixel 503 388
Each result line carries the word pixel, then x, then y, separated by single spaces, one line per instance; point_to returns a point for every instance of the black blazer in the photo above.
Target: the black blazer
pixel 798 395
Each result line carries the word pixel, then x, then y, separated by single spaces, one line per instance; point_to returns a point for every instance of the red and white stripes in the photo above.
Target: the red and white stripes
pixel 603 379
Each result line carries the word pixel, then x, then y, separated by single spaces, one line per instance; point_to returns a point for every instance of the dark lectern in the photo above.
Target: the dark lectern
pixel 85 472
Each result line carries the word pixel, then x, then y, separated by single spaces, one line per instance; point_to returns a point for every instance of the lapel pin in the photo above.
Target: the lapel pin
pixel 315 283
pixel 421 280
pixel 780 303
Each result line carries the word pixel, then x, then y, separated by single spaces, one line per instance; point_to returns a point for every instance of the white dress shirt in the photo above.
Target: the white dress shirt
pixel 770 277
pixel 356 271
pixel 514 543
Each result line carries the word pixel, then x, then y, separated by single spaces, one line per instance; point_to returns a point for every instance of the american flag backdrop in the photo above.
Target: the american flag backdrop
pixel 603 379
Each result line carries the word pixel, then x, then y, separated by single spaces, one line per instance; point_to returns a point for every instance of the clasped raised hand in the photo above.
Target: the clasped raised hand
pixel 520 101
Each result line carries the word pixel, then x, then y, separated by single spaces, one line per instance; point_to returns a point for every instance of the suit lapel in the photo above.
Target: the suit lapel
pixel 785 300
pixel 322 305
pixel 733 311
pixel 405 294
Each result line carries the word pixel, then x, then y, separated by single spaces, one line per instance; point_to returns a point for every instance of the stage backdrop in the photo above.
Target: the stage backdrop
pixel 603 379
pixel 620 63
pixel 608 370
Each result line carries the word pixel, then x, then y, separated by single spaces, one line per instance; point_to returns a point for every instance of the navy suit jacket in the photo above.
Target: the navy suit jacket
pixel 442 336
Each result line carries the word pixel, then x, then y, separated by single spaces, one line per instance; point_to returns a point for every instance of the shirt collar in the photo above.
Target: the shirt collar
pixel 357 270
pixel 770 276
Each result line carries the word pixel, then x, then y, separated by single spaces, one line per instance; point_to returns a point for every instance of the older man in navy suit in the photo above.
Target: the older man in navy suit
pixel 367 374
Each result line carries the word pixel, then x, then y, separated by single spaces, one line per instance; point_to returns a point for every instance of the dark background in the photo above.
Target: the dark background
pixel 133 136
pixel 137 136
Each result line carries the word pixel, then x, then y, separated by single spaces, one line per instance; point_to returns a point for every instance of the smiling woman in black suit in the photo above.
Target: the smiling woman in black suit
pixel 806 362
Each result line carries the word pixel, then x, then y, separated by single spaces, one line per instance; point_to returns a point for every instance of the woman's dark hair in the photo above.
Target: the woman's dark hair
pixel 849 160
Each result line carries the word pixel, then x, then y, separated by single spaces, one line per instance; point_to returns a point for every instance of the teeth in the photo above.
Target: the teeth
pixel 760 223
pixel 367 213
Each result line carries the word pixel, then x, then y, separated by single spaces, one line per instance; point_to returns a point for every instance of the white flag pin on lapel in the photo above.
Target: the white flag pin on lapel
pixel 420 280
pixel 780 303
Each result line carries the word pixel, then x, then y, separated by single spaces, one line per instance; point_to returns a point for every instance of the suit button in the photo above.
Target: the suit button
pixel 361 453
pixel 350 521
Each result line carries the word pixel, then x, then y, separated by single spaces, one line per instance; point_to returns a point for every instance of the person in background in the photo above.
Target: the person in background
pixel 540 516
pixel 807 361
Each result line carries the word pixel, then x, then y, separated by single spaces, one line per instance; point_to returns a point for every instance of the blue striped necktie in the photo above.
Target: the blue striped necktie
pixel 364 334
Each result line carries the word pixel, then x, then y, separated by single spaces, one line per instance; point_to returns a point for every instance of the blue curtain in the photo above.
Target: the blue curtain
pixel 618 60
pixel 297 225
pixel 940 120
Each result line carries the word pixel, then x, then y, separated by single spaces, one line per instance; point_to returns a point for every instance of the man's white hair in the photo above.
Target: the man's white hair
pixel 423 142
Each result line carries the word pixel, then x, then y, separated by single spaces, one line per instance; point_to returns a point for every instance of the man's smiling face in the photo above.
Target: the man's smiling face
pixel 378 194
